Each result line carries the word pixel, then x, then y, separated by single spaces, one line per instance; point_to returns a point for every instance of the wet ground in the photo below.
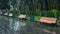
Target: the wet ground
pixel 10 25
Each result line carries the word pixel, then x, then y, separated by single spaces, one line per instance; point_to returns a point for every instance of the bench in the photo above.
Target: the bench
pixel 22 16
pixel 6 14
pixel 10 14
pixel 47 20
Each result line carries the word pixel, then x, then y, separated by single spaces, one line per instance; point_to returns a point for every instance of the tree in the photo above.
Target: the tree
pixel 4 4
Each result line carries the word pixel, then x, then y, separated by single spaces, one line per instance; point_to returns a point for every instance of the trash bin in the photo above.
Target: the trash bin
pixel 32 18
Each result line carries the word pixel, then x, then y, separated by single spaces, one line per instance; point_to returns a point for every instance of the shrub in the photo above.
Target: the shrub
pixel 15 12
pixel 26 12
pixel 38 12
pixel 54 11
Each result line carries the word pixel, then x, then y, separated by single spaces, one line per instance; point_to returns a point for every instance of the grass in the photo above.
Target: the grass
pixel 36 18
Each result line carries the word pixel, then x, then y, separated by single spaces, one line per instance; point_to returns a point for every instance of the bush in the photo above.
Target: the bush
pixel 38 12
pixel 54 11
pixel 26 12
pixel 15 12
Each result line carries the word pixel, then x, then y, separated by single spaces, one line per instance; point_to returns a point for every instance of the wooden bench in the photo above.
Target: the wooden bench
pixel 22 16
pixel 10 14
pixel 6 14
pixel 47 20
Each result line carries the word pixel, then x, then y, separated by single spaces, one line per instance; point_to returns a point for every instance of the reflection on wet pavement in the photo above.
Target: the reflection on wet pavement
pixel 9 25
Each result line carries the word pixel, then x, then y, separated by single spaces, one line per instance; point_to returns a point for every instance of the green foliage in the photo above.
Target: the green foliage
pixel 44 13
pixel 26 12
pixel 15 12
pixel 8 11
pixel 36 18
pixel 54 11
pixel 38 12
pixel 49 14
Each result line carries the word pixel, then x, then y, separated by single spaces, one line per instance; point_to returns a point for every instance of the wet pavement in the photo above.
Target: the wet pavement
pixel 10 25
